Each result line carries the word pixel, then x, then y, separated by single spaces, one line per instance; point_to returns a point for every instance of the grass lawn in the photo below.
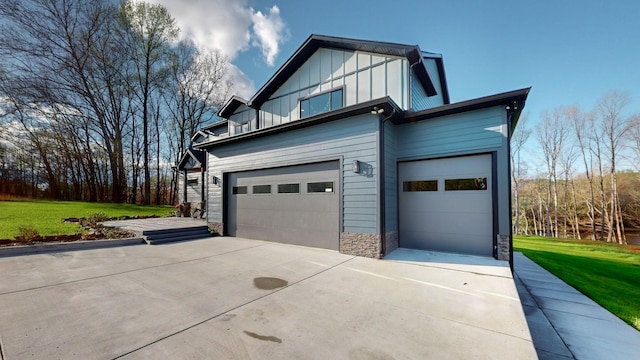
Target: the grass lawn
pixel 46 216
pixel 607 273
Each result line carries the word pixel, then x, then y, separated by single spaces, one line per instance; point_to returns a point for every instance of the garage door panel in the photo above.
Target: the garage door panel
pixel 447 220
pixel 305 218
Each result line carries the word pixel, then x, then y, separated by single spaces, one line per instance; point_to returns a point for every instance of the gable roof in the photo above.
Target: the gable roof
pixel 198 155
pixel 230 106
pixel 412 52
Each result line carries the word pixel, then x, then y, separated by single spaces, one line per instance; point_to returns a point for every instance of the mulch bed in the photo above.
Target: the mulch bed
pixel 101 233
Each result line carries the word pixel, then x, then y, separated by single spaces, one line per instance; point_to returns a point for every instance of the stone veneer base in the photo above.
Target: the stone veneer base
pixel 367 245
pixel 218 227
pixel 503 247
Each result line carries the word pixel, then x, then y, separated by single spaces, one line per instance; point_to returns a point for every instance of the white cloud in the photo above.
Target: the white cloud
pixel 242 85
pixel 232 27
pixel 269 30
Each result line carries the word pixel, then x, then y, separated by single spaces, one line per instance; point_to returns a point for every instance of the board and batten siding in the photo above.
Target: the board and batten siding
pixel 467 133
pixel 193 190
pixel 362 76
pixel 347 140
pixel 242 120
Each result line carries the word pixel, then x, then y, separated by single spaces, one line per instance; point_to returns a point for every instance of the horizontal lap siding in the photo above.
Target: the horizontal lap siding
pixel 455 134
pixel 349 139
pixel 391 178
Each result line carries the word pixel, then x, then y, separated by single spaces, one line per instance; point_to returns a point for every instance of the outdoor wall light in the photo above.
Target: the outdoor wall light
pixel 377 110
pixel 356 166
pixel 215 180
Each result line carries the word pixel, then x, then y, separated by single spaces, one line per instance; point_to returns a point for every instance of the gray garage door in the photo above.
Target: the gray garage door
pixel 294 205
pixel 446 205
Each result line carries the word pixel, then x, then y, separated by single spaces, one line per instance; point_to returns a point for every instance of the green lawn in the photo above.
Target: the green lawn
pixel 46 216
pixel 607 273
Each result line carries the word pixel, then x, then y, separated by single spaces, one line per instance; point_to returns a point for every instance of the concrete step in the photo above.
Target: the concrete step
pixel 153 237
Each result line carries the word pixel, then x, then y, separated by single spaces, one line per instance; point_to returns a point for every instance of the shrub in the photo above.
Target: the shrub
pixel 94 220
pixel 27 233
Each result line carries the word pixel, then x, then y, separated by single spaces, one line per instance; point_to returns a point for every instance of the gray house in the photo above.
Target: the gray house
pixel 353 145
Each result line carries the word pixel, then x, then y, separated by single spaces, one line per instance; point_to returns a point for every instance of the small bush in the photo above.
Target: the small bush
pixel 27 233
pixel 94 220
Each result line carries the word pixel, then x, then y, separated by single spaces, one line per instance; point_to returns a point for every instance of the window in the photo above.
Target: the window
pixel 238 190
pixel 318 104
pixel 421 185
pixel 465 184
pixel 262 189
pixel 192 181
pixel 320 187
pixel 288 188
pixel 242 128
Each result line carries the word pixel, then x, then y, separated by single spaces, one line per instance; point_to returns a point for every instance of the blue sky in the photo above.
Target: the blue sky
pixel 568 51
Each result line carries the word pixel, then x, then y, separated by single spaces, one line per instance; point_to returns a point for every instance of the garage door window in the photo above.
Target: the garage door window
pixel 465 184
pixel 421 185
pixel 239 190
pixel 320 187
pixel 262 189
pixel 288 188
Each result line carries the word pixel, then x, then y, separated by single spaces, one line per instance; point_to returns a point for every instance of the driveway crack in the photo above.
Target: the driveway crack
pixel 233 309
pixel 126 272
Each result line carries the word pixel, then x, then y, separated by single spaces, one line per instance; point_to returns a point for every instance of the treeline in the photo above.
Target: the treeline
pixel 98 100
pixel 581 192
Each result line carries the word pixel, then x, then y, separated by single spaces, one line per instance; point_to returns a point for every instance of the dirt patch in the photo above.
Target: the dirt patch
pixel 111 234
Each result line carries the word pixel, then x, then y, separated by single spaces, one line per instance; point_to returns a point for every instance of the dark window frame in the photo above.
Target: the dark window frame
pixel 260 191
pixel 306 102
pixel 319 183
pixel 282 190
pixel 420 186
pixel 466 184
pixel 240 190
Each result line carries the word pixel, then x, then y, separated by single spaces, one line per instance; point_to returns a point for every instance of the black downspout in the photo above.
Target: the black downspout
pixel 202 180
pixel 381 180
pixel 510 113
pixel 184 187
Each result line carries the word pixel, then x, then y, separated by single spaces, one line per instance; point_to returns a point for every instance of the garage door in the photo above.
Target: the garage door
pixel 294 205
pixel 446 205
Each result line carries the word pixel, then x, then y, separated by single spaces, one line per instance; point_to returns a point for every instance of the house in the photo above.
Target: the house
pixel 353 145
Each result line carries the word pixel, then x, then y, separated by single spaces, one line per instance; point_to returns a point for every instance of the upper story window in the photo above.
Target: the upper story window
pixel 241 128
pixel 318 104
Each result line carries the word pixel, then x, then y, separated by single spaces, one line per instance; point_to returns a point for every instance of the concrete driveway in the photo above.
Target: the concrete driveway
pixel 232 298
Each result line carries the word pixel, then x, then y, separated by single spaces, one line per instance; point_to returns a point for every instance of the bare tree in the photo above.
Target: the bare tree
pixel 614 126
pixel 551 134
pixel 150 30
pixel 518 170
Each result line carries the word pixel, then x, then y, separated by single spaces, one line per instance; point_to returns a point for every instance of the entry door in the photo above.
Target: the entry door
pixel 447 204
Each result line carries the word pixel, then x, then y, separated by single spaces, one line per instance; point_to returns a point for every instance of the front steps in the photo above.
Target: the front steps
pixel 154 237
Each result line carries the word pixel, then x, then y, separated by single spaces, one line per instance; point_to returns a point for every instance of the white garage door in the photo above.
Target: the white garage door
pixel 294 205
pixel 447 205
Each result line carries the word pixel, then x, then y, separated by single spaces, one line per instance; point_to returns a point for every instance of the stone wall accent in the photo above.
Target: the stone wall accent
pixel 391 242
pixel 503 247
pixel 367 245
pixel 218 227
